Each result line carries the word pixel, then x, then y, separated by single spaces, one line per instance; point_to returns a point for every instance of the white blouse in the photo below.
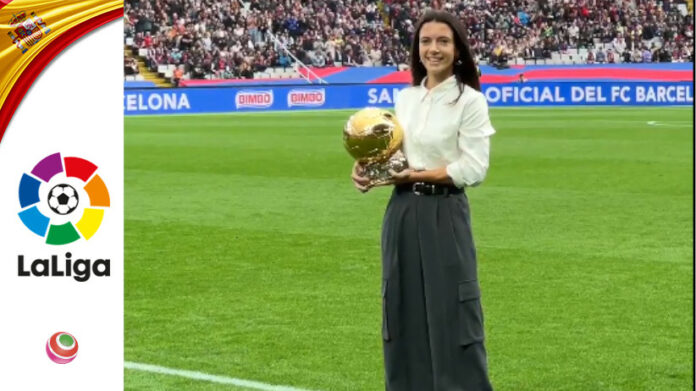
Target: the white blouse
pixel 439 133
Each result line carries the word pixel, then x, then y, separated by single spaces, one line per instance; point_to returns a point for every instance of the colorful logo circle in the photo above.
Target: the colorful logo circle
pixel 61 347
pixel 58 182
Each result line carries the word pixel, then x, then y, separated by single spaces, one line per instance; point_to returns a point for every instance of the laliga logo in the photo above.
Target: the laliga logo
pixel 254 99
pixel 307 98
pixel 61 348
pixel 61 179
pixel 63 200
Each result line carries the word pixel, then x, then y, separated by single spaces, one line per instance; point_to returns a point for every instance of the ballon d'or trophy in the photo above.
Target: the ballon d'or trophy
pixel 373 137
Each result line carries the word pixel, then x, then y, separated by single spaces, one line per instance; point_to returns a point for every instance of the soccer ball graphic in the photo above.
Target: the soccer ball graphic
pixel 63 199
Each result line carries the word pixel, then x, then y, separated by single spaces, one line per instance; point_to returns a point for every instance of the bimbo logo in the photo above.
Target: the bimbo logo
pixel 254 99
pixel 307 98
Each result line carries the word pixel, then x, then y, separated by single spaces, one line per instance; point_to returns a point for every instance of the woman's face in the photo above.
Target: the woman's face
pixel 436 48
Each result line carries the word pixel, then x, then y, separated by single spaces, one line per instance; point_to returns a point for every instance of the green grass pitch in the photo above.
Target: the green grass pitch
pixel 250 255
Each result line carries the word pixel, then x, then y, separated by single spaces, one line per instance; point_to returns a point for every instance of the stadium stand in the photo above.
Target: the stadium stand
pixel 190 40
pixel 490 75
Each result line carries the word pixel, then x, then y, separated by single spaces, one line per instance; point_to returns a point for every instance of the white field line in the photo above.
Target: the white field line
pixel 674 124
pixel 208 377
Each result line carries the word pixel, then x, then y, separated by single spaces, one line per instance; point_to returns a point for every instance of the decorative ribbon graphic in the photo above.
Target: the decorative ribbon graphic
pixel 33 32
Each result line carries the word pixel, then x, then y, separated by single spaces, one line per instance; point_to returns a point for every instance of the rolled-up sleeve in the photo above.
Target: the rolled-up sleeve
pixel 474 144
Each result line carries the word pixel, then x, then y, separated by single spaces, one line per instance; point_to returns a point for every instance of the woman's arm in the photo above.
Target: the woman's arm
pixel 438 175
pixel 474 145
pixel 471 167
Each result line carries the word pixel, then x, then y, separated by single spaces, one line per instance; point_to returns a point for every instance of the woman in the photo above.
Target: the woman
pixel 432 317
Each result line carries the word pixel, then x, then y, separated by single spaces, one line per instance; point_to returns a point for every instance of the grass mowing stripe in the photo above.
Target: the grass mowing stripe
pixel 216 201
pixel 254 385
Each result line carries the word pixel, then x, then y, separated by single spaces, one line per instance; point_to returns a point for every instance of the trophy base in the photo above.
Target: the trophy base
pixel 378 172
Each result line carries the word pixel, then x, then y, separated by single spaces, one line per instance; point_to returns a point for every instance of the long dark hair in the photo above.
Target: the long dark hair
pixel 464 68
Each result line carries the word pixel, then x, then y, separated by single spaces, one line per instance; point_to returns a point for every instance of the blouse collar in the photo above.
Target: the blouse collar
pixel 440 89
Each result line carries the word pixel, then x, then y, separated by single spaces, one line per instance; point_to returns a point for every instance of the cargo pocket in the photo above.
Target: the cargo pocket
pixel 470 313
pixel 385 318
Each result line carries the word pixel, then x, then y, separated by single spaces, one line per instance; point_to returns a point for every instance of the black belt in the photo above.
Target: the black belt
pixel 425 188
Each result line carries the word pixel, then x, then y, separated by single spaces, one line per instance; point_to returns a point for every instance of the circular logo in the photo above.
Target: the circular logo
pixel 50 199
pixel 61 347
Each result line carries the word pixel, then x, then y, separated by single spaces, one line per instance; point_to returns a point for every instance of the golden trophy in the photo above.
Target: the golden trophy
pixel 373 137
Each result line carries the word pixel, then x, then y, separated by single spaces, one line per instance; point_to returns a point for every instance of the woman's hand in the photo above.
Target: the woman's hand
pixel 362 183
pixel 409 175
pixel 400 177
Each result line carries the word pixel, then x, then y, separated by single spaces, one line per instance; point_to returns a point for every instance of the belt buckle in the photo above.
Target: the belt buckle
pixel 414 188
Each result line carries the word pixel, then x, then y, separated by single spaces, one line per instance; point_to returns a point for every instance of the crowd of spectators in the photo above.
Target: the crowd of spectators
pixel 619 52
pixel 231 38
pixel 533 29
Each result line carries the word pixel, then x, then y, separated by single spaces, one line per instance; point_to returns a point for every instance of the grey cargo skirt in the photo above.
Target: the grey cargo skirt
pixel 432 321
